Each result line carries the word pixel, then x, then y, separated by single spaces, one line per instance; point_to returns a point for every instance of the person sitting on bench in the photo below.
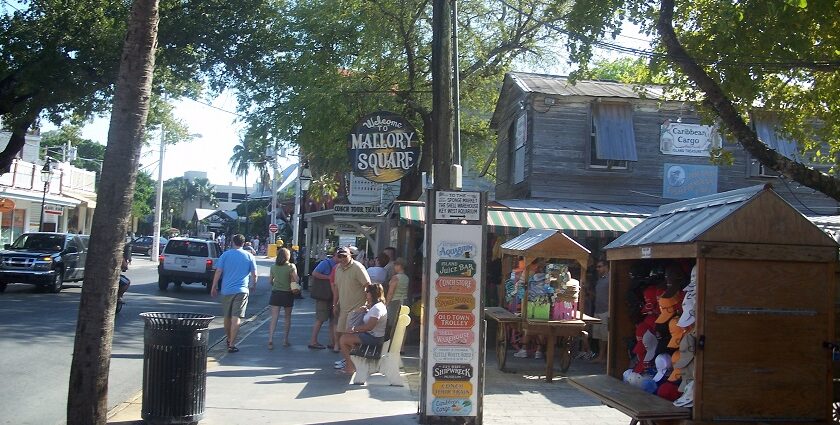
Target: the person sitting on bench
pixel 372 329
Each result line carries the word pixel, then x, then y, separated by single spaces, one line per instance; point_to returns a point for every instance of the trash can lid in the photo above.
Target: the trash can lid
pixel 177 320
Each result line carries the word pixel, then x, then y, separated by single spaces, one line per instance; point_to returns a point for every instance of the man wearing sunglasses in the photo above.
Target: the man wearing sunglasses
pixel 351 280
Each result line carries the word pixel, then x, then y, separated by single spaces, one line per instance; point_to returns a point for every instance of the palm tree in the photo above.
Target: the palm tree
pixel 322 190
pixel 87 402
pixel 246 154
pixel 204 191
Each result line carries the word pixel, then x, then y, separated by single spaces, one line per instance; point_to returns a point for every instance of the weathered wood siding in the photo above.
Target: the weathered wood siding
pixel 558 151
pixel 505 189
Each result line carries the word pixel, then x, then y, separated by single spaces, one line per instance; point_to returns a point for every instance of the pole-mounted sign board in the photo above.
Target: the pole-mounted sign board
pixel 453 343
pixel 384 147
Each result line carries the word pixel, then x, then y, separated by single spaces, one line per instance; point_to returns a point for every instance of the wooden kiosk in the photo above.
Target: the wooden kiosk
pixel 547 244
pixel 764 316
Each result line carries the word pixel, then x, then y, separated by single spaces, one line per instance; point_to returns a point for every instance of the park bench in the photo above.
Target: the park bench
pixel 642 407
pixel 383 358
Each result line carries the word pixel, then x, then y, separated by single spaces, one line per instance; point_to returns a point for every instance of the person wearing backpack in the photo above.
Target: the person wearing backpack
pixel 321 291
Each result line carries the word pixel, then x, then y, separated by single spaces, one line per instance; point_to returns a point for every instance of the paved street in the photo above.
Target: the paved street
pixel 38 331
pixel 37 341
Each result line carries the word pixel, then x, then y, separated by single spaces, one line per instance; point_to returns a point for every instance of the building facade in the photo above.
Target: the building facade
pixel 69 198
pixel 615 143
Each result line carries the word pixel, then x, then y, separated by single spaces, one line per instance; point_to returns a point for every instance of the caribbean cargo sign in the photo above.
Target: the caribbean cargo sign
pixel 688 139
pixel 384 147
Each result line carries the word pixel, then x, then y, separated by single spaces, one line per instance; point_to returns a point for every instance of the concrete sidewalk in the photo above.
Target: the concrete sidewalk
pixel 296 385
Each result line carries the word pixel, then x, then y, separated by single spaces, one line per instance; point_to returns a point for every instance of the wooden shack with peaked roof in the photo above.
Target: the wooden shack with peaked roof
pixel 765 306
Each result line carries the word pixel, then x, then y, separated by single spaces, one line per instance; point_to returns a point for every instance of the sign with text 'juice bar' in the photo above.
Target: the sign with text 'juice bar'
pixel 454 303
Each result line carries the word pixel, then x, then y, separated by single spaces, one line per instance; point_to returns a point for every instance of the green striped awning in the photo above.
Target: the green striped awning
pixel 508 222
pixel 413 214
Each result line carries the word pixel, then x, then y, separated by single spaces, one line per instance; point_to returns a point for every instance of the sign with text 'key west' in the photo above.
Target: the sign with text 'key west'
pixel 384 147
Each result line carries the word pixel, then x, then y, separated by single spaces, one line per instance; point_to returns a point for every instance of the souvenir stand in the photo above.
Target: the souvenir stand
pixel 757 347
pixel 531 245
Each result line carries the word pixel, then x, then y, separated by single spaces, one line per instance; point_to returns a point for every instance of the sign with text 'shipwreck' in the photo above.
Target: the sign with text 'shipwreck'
pixel 384 147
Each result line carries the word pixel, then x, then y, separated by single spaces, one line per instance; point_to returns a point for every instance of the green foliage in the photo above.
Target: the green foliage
pixel 144 194
pixel 780 55
pixel 337 60
pixel 89 153
pixel 59 59
pixel 622 70
pixel 203 191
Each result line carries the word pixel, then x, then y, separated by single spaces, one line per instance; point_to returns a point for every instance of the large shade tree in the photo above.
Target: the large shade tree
pixel 337 60
pixel 782 56
pixel 59 59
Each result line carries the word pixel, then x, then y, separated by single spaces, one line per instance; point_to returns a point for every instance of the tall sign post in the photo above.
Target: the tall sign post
pixel 452 349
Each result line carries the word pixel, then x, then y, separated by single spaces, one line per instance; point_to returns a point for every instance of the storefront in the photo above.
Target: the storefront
pixel 746 335
pixel 592 225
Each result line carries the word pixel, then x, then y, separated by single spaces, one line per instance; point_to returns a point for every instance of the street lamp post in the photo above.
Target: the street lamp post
pixel 304 180
pixel 46 177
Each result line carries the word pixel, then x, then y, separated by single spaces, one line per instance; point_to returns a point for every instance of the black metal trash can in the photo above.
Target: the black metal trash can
pixel 174 367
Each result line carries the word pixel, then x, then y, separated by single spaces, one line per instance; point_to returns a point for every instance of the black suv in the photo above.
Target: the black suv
pixel 188 260
pixel 143 245
pixel 44 259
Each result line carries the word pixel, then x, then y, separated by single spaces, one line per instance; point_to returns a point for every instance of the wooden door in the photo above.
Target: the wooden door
pixel 763 325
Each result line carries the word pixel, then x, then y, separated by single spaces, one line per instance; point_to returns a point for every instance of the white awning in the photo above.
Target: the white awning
pixel 89 199
pixel 33 196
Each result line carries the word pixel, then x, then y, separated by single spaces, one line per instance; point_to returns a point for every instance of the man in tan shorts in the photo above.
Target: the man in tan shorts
pixel 351 280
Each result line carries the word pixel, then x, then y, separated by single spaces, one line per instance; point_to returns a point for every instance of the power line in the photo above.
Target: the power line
pixel 216 107
pixel 13 6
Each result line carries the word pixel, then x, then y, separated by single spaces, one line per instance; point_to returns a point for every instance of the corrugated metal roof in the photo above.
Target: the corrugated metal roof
pixel 826 222
pixel 577 207
pixel 684 221
pixel 560 86
pixel 528 239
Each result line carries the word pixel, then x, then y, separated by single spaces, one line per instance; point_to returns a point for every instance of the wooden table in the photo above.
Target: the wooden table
pixel 566 330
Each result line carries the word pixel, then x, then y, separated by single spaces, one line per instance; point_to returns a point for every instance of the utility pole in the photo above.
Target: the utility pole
pixel 442 92
pixel 155 252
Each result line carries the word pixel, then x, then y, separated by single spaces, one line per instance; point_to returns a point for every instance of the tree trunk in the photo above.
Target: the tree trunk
pixel 87 398
pixel 723 107
pixel 412 185
pixel 18 138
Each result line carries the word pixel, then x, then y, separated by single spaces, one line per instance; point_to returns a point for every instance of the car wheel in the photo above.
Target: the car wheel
pixel 178 285
pixel 208 286
pixel 162 283
pixel 149 252
pixel 57 283
pixel 2 287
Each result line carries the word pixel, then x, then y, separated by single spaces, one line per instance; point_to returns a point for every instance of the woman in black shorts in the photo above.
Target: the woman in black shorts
pixel 283 274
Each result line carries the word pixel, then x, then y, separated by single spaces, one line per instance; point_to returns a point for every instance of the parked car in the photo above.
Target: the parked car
pixel 44 259
pixel 188 260
pixel 143 245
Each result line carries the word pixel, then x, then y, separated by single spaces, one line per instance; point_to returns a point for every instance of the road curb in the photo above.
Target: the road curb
pixel 215 352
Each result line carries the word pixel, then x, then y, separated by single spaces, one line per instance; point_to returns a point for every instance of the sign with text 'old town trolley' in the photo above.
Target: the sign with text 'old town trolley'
pixel 384 147
pixel 453 349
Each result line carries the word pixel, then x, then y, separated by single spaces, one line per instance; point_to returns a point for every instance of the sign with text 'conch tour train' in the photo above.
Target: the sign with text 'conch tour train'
pixel 384 147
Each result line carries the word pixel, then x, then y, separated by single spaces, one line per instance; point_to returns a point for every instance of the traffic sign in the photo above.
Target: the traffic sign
pixel 272 228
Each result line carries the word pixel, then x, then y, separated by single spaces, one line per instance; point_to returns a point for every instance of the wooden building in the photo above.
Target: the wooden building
pixel 620 145
pixel 764 309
